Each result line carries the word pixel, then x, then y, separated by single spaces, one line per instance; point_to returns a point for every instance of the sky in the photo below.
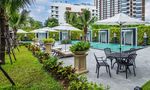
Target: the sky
pixel 40 10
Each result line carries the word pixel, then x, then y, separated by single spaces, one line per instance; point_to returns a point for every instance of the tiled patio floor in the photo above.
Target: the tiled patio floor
pixel 117 82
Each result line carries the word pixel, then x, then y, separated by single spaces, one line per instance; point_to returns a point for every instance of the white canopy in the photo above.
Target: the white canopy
pixel 43 30
pixel 21 31
pixel 121 19
pixel 37 31
pixel 65 27
pixel 47 29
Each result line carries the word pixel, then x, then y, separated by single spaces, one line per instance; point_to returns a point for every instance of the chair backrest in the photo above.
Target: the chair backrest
pixel 131 58
pixel 107 51
pixel 96 58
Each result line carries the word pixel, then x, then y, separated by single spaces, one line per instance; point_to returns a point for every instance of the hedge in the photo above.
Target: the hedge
pixel 75 35
pixel 56 37
pixel 115 29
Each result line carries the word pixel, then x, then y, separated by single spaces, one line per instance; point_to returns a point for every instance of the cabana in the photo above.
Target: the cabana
pixel 42 32
pixel 121 19
pixel 65 31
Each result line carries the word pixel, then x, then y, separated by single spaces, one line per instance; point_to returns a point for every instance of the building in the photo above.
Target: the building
pixel 108 8
pixel 57 10
pixel 134 8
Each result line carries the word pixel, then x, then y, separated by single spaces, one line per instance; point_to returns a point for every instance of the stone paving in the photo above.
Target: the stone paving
pixel 117 81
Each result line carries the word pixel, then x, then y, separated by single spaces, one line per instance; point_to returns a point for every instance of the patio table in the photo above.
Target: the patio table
pixel 119 57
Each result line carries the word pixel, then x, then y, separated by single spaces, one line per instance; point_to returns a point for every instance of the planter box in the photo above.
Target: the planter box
pixel 48 48
pixel 80 63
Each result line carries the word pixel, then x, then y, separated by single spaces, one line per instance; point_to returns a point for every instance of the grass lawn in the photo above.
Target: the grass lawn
pixel 27 73
pixel 146 86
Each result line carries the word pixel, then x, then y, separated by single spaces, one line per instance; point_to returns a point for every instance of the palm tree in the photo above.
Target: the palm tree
pixel 85 20
pixel 80 20
pixel 51 22
pixel 16 20
pixel 7 7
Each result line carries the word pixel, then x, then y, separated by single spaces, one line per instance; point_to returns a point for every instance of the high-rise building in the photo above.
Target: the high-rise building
pixel 134 8
pixel 58 10
pixel 108 8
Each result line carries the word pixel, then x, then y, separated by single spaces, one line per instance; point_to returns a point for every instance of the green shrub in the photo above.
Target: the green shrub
pixel 66 41
pixel 82 84
pixel 42 56
pixel 80 46
pixel 49 40
pixel 66 74
pixel 50 63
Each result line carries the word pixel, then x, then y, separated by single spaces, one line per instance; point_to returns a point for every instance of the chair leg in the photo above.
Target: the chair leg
pixel 111 63
pixel 129 70
pixel 98 71
pixel 109 71
pixel 126 72
pixel 96 68
pixel 117 69
pixel 134 70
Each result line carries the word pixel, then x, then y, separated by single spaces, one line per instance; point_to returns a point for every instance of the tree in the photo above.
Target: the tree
pixel 80 20
pixel 34 24
pixel 17 20
pixel 6 8
pixel 51 22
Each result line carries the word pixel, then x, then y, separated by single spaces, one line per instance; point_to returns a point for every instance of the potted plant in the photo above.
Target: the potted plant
pixel 80 48
pixel 48 44
pixel 80 52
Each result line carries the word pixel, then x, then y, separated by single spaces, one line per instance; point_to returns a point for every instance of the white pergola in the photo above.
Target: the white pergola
pixel 43 30
pixel 121 19
pixel 65 28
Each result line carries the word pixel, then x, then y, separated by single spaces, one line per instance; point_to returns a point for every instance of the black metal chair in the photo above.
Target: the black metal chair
pixel 107 53
pixel 101 62
pixel 131 51
pixel 127 63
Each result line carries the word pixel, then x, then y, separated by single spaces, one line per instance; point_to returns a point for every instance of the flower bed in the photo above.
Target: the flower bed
pixel 66 74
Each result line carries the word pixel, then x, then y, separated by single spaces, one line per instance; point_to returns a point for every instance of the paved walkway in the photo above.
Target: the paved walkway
pixel 117 82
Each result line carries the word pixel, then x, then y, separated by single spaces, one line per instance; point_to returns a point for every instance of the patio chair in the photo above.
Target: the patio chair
pixel 107 53
pixel 132 51
pixel 127 63
pixel 101 62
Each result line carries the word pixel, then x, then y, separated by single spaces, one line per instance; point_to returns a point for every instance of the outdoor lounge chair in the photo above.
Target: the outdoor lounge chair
pixel 107 53
pixel 62 54
pixel 127 63
pixel 101 62
pixel 55 50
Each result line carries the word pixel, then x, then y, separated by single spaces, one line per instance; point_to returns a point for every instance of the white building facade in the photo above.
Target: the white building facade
pixel 57 10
